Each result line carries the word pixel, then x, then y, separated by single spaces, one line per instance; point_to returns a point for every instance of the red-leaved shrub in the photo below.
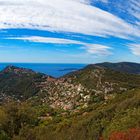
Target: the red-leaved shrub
pixel 131 134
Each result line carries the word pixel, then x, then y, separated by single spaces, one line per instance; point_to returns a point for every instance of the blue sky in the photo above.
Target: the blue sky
pixel 69 31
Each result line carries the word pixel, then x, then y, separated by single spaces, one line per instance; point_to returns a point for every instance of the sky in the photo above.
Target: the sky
pixel 69 31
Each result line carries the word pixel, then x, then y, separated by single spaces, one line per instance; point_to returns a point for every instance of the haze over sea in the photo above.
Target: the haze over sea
pixel 55 70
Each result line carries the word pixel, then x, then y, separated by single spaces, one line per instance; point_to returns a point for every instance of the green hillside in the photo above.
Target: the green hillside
pixel 98 120
pixel 99 78
pixel 127 67
pixel 106 105
pixel 18 83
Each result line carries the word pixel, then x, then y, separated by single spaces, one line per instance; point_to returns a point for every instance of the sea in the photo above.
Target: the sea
pixel 55 70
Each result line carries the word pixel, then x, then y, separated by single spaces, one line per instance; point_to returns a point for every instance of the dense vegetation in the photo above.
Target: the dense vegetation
pixel 114 118
pixel 127 67
pixel 99 78
pixel 19 83
pixel 24 121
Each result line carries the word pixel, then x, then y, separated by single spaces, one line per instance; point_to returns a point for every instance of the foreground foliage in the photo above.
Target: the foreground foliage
pixel 114 119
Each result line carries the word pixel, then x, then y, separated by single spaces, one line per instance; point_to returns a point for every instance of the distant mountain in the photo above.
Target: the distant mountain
pixel 128 67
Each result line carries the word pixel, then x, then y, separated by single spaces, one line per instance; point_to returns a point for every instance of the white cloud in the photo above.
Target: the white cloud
pixel 98 49
pixel 134 8
pixel 89 48
pixel 52 40
pixel 83 1
pixel 131 8
pixel 104 1
pixel 76 16
pixel 135 49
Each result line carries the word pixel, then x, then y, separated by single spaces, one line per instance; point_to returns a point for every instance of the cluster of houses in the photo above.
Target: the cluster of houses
pixel 63 94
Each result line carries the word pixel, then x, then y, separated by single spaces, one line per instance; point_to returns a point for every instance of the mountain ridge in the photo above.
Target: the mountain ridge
pixel 129 67
pixel 77 88
pixel 94 103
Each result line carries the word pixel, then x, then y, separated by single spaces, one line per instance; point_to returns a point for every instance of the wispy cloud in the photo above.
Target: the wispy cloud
pixel 39 39
pixel 76 16
pixel 135 49
pixel 104 1
pixel 88 47
pixel 134 8
pixel 130 10
pixel 98 49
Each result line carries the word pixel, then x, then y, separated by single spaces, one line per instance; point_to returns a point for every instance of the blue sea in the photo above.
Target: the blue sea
pixel 55 70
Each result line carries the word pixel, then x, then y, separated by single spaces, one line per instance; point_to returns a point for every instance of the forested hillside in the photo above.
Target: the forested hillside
pixel 95 103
